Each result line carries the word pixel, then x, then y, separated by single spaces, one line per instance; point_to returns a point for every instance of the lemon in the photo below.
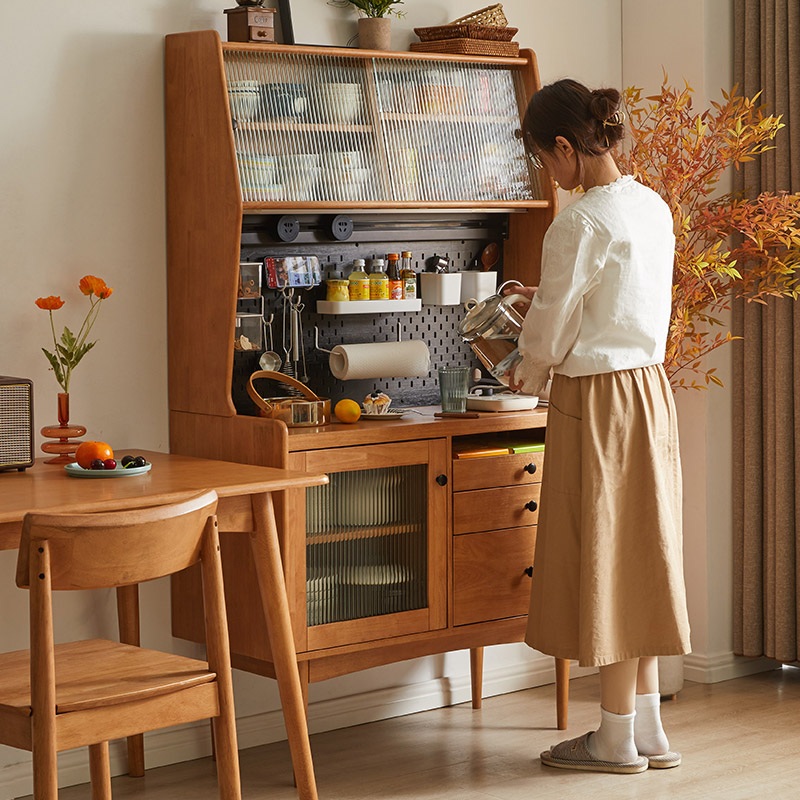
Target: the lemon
pixel 347 411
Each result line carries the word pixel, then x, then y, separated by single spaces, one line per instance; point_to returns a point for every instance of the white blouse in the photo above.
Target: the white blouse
pixel 604 298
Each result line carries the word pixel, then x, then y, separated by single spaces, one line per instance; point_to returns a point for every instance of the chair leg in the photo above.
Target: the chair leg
pixel 562 692
pixel 224 727
pixel 100 771
pixel 476 674
pixel 45 765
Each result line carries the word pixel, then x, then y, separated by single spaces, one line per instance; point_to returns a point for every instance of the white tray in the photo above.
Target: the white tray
pixel 366 306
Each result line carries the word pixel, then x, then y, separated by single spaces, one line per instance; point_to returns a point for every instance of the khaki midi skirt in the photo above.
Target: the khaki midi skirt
pixel 608 568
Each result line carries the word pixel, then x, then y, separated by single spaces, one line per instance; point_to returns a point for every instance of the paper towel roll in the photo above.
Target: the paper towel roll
pixel 350 362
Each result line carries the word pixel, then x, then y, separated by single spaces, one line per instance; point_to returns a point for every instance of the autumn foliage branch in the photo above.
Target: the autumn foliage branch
pixel 726 245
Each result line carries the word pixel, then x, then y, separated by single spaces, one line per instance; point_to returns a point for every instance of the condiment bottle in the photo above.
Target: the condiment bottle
pixel 358 281
pixel 378 280
pixel 408 276
pixel 395 281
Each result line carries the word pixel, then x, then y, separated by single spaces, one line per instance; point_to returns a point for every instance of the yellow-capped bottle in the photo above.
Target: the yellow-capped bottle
pixel 378 280
pixel 358 281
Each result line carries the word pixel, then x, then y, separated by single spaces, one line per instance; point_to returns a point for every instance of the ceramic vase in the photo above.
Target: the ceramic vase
pixel 64 447
pixel 375 33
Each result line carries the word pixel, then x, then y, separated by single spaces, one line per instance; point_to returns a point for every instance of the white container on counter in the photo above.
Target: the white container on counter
pixel 476 285
pixel 441 288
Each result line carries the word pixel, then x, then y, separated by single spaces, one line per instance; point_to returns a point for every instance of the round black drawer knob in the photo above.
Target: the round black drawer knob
pixel 441 480
pixel 530 468
pixel 529 571
pixel 531 506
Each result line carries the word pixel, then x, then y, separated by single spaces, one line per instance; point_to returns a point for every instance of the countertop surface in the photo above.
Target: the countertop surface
pixel 417 423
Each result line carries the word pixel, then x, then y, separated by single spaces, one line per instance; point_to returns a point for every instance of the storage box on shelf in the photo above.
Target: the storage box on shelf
pixel 346 615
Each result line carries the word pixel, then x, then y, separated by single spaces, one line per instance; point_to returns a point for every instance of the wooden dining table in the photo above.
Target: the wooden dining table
pixel 245 506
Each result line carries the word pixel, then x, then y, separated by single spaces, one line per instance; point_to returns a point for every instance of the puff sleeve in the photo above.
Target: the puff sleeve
pixel 572 262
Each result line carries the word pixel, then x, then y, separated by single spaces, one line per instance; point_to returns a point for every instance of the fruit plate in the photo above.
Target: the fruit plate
pixel 119 471
pixel 383 416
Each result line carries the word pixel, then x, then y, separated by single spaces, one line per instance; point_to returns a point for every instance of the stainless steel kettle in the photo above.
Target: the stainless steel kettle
pixel 491 328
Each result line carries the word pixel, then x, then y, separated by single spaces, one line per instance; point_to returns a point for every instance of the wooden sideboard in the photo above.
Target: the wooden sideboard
pixel 470 580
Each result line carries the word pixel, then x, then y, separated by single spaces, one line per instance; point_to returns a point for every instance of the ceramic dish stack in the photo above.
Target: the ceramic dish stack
pixel 344 177
pixel 299 173
pixel 244 98
pixel 340 102
pixel 257 174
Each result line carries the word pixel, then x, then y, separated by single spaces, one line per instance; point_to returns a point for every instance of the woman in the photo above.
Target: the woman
pixel 608 575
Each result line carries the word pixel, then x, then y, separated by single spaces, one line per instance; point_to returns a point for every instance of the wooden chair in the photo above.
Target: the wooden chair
pixel 57 697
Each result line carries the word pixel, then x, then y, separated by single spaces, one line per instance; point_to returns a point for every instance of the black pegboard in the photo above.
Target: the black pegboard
pixel 436 325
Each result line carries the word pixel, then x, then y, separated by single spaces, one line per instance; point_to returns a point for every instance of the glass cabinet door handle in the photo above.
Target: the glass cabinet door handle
pixel 528 571
pixel 530 468
pixel 531 505
pixel 441 480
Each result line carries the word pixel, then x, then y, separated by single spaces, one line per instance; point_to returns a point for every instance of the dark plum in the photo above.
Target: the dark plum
pixel 139 461
pixel 98 463
pixel 126 460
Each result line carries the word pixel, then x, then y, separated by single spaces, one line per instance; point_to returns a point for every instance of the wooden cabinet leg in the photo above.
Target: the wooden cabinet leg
pixel 476 674
pixel 562 692
pixel 128 619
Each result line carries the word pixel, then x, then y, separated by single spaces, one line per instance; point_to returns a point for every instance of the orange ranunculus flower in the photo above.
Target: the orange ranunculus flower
pixel 90 284
pixel 49 303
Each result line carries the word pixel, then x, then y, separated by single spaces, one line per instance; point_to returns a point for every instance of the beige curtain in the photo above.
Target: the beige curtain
pixel 766 381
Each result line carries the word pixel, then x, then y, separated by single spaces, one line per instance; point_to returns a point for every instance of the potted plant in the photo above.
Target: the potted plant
pixel 375 26
pixel 727 245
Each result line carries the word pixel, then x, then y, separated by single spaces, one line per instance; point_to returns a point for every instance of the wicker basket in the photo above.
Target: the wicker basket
pixel 468 47
pixel 466 31
pixel 491 15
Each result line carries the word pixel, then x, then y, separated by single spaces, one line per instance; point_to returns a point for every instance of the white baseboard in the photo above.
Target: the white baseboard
pixel 190 742
pixel 724 667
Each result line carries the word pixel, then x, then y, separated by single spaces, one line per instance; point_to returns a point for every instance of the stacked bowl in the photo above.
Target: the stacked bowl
pixel 244 98
pixel 344 176
pixel 299 172
pixel 257 173
pixel 340 102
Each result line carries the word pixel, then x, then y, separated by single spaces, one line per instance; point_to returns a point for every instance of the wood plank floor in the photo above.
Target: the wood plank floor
pixel 740 740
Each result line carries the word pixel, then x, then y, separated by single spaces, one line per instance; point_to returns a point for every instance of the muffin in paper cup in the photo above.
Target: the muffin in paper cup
pixel 377 403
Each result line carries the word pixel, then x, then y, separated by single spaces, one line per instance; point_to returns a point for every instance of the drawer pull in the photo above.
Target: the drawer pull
pixel 441 480
pixel 531 505
pixel 530 468
pixel 529 571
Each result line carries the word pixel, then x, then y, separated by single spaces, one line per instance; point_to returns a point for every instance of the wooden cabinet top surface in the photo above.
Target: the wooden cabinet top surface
pixel 422 425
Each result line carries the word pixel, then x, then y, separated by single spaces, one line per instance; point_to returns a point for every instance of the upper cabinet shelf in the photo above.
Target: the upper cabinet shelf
pixel 351 128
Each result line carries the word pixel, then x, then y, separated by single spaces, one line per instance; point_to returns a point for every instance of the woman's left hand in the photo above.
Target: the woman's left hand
pixel 512 379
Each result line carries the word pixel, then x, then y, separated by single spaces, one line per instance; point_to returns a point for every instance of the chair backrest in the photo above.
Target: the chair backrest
pixel 118 548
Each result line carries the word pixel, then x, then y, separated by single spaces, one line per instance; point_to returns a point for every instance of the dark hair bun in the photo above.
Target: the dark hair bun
pixel 604 103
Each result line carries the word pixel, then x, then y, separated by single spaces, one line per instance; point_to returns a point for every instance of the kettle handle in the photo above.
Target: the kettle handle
pixel 510 299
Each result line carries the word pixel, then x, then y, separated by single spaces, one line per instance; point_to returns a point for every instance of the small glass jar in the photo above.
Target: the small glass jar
pixel 338 290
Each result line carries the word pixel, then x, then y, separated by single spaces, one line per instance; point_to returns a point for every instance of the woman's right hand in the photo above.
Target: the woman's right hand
pixel 526 291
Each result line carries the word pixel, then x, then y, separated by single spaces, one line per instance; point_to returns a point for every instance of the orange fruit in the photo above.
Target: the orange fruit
pixel 347 411
pixel 89 451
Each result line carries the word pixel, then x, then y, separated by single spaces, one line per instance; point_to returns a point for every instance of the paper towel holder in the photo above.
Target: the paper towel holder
pixel 330 352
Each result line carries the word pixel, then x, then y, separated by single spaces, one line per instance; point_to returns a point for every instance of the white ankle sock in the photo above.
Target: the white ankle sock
pixel 613 740
pixel 648 732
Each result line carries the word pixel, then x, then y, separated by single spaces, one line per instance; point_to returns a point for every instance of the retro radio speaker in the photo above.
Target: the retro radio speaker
pixel 16 423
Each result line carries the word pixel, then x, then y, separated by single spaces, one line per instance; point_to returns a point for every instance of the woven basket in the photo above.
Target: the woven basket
pixel 466 31
pixel 468 47
pixel 491 15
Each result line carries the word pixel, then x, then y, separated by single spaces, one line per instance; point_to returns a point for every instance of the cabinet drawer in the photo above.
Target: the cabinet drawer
pixel 489 579
pixel 485 473
pixel 491 509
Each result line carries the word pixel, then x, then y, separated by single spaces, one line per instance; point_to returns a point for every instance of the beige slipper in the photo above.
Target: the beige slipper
pixel 664 761
pixel 575 754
